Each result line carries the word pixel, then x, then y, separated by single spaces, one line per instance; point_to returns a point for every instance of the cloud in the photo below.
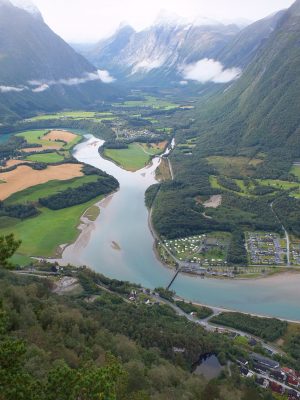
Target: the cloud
pixel 41 88
pixel 7 89
pixel 99 75
pixel 209 70
pixel 105 76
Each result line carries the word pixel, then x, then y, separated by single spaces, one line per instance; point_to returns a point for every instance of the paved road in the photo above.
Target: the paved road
pixel 205 323
pixel 274 380
pixel 286 236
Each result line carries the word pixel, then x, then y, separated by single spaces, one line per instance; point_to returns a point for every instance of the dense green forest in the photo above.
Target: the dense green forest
pixel 81 194
pixel 267 328
pixel 94 345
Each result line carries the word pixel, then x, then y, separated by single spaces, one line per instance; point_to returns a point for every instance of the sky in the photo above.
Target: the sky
pixel 82 21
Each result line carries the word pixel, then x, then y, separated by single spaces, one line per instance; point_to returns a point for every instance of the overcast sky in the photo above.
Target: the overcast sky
pixel 90 20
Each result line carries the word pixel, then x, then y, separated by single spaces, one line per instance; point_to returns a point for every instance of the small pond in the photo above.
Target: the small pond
pixel 208 366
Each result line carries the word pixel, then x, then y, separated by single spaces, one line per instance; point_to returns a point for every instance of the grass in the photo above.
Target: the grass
pixel 47 158
pixel 35 137
pixel 154 148
pixel 33 193
pixel 234 165
pixel 92 213
pixel 151 102
pixel 75 115
pixel 294 187
pixel 131 159
pixel 73 143
pixel 38 239
pixel 296 171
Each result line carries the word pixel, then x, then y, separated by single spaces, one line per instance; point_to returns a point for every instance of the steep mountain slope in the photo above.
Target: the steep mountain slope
pixel 242 49
pixel 159 54
pixel 261 110
pixel 38 70
pixel 162 49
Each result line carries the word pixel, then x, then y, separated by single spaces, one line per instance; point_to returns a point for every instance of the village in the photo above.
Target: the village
pixel 267 372
pixel 270 375
pixel 265 248
pixel 201 251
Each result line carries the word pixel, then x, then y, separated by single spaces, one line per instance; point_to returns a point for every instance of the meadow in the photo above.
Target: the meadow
pixel 37 137
pixel 296 171
pixel 42 235
pixel 33 193
pixel 234 165
pixel 151 102
pixel 47 158
pixel 131 159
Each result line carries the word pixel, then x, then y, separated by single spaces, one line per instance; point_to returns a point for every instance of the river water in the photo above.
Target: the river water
pixel 119 244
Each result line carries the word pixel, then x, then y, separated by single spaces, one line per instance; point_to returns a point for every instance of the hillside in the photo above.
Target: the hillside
pixel 156 54
pixel 38 70
pixel 260 112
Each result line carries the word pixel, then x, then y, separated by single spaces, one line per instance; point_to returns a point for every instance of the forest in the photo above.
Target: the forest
pixel 269 329
pixel 83 346
pixel 82 194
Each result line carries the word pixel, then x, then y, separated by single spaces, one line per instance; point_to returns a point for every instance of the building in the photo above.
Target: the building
pixel 264 361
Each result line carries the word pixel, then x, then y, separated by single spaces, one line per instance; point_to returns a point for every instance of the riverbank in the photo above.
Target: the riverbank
pixel 125 221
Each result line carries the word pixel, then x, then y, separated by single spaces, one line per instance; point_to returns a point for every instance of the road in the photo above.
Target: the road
pixel 286 236
pixel 206 324
pixel 274 380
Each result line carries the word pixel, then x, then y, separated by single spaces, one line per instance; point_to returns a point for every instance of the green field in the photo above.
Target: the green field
pixel 47 158
pixel 73 143
pixel 234 165
pixel 296 171
pixel 75 115
pixel 152 148
pixel 131 159
pixel 33 193
pixel 149 101
pixel 35 137
pixel 43 234
pixel 285 185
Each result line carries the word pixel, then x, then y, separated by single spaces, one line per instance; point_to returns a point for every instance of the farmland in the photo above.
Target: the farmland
pixel 234 165
pixel 149 101
pixel 296 170
pixel 132 159
pixel 15 182
pixel 47 158
pixel 33 193
pixel 38 239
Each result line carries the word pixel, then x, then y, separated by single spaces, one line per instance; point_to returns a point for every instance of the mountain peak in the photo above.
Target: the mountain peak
pixel 25 5
pixel 168 18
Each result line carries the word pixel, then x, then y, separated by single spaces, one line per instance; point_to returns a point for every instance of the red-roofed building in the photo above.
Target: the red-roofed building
pixel 293 381
pixel 275 387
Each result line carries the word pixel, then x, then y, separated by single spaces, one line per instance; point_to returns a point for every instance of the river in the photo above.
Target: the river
pixel 119 244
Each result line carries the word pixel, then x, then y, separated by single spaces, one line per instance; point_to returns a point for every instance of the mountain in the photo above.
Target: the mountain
pixel 242 49
pixel 38 70
pixel 260 112
pixel 158 52
pixel 162 53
